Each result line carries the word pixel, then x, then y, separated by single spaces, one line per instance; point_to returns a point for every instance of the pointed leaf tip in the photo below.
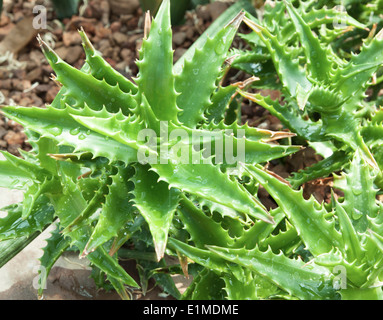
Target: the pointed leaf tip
pixel 85 40
pixel 42 43
pixel 160 250
pixel 237 20
pixel 148 24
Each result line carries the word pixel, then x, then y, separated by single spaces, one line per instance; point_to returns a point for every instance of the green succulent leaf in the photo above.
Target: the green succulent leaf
pixel 117 211
pixel 362 294
pixel 202 229
pixel 101 69
pixel 337 161
pixel 307 216
pixel 12 177
pixel 319 62
pixel 258 232
pixel 68 207
pixel 14 225
pixel 308 282
pixel 36 190
pixel 33 171
pixel 251 287
pixel 352 246
pixel 11 247
pixel 82 87
pixel 45 147
pixel 351 80
pixel 207 181
pixel 157 202
pixel 56 246
pixel 207 285
pixel 203 257
pixel 193 100
pixel 286 241
pixel 156 62
pixel 359 194
pixel 290 117
pixel 315 17
pixel 288 68
pixel 59 125
pixel 220 101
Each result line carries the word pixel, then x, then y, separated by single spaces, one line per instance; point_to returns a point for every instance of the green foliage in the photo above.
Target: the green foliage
pixel 119 166
pixel 85 166
pixel 324 103
pixel 324 93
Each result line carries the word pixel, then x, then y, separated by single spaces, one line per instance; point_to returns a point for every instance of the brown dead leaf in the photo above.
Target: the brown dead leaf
pixel 19 36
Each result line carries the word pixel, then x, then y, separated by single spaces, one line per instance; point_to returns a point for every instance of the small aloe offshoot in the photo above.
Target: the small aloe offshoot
pixel 120 162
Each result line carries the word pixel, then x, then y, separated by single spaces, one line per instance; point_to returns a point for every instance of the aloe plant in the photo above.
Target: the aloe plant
pixel 315 250
pixel 105 165
pixel 162 166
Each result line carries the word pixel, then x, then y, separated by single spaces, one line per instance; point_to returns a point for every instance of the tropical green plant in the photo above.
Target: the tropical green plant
pixel 316 251
pixel 324 102
pixel 105 166
pixel 368 13
pixel 119 167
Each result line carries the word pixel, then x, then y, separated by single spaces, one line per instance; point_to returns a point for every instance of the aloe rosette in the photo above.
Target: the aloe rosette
pixel 105 165
pixel 160 166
